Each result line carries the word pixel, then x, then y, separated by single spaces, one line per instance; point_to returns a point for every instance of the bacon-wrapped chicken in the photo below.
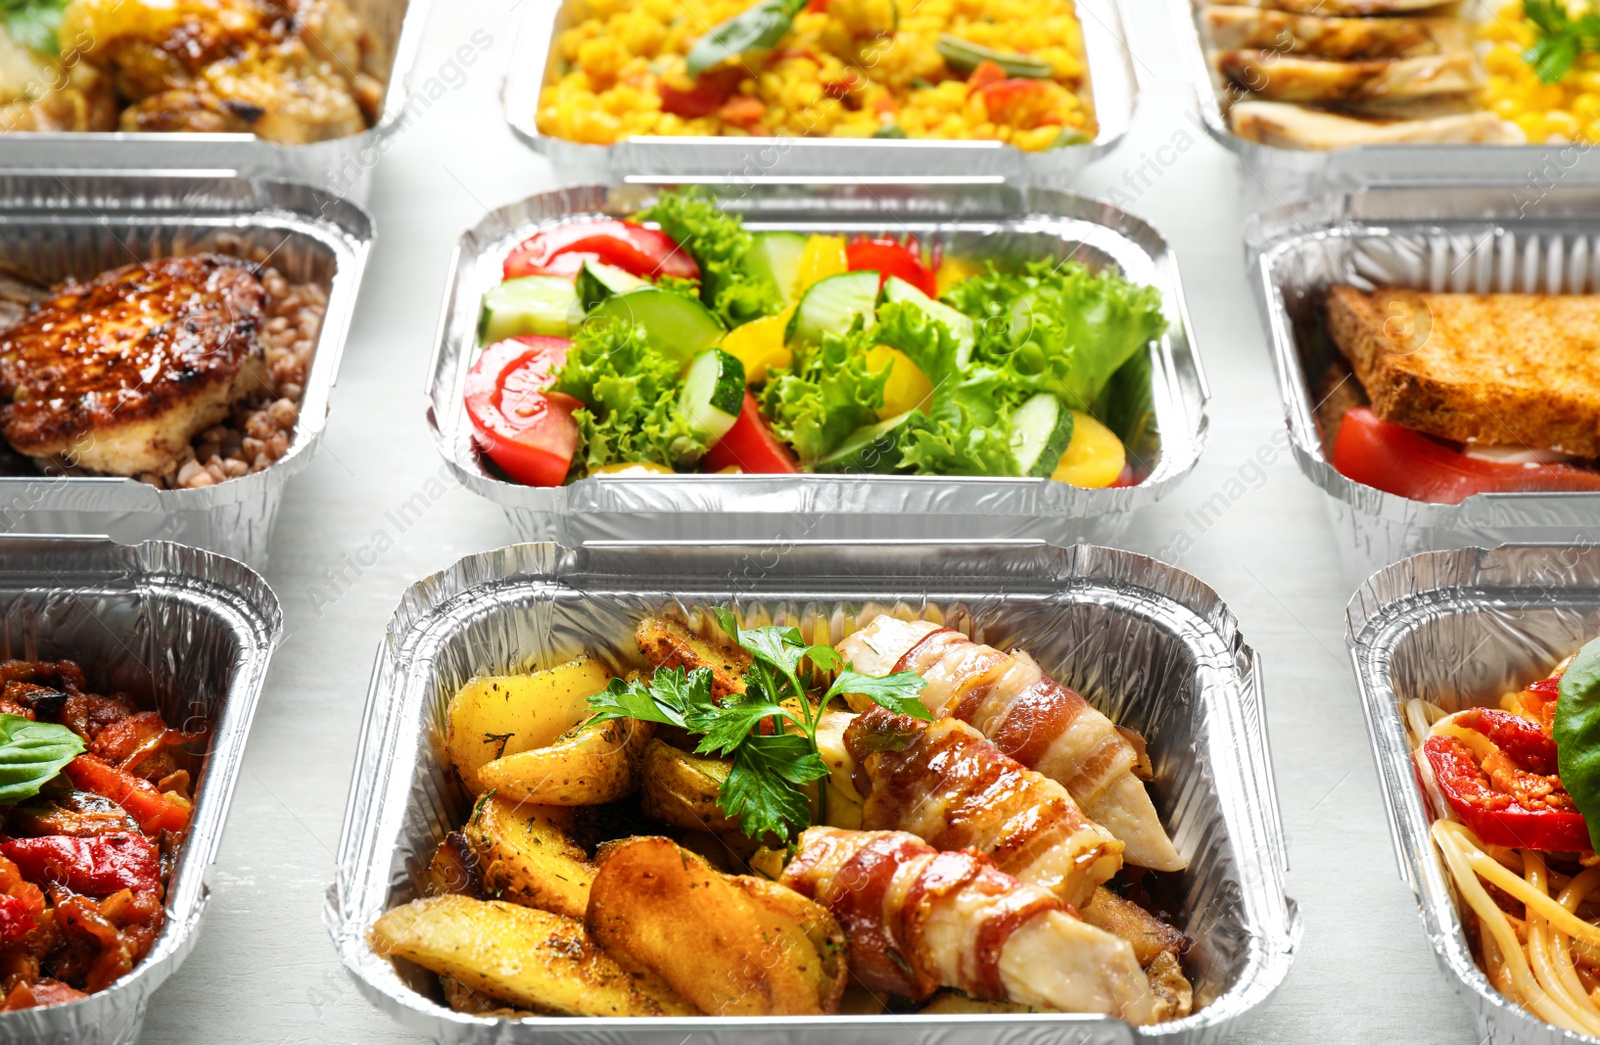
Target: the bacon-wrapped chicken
pixel 1029 716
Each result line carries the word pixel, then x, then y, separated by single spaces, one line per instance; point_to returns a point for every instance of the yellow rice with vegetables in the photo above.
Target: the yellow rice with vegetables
pixel 846 69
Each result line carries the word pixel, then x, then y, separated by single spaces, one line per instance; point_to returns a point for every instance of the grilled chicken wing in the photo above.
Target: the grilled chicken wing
pixel 1030 717
pixel 918 919
pixel 291 71
pixel 950 787
pixel 119 374
pixel 1239 28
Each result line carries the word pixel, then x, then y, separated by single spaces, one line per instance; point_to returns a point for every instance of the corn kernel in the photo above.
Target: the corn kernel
pixel 1533 126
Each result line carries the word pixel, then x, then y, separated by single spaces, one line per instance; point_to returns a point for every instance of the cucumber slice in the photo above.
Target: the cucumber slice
pixel 546 305
pixel 713 392
pixel 1040 431
pixel 777 255
pixel 678 327
pixel 598 281
pixel 873 449
pixel 958 323
pixel 831 305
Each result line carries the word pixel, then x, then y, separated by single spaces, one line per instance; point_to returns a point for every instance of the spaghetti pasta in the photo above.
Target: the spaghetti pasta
pixel 1525 906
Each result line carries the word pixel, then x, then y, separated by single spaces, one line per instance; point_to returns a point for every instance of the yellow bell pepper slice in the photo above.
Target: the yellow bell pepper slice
pixel 631 468
pixel 1094 458
pixel 953 271
pixel 822 256
pixel 907 388
pixel 759 345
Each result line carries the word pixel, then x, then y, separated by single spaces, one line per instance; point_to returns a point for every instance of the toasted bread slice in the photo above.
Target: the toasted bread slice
pixel 1297 127
pixel 1498 369
pixel 1241 28
pixel 1286 78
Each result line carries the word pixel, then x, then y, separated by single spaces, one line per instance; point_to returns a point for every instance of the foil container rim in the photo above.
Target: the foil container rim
pixel 806 490
pixel 1274 940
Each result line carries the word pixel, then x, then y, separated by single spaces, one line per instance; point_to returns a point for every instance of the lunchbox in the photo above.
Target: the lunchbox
pixel 1272 175
pixel 1460 628
pixel 1112 84
pixel 341 166
pixel 1146 643
pixel 1164 434
pixel 81 224
pixel 1480 239
pixel 185 632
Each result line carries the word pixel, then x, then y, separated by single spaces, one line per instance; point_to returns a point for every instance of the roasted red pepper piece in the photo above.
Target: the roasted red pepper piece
pixel 155 810
pixel 96 866
pixel 1514 797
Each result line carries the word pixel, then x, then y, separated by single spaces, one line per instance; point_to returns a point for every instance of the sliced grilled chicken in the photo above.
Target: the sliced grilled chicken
pixel 1245 28
pixel 1297 127
pixel 1285 78
pixel 117 375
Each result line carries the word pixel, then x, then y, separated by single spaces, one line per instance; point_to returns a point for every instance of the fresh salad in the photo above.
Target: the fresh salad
pixel 697 345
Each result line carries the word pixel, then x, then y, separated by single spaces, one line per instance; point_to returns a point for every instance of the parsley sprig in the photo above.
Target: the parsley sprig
pixel 1562 37
pixel 770 729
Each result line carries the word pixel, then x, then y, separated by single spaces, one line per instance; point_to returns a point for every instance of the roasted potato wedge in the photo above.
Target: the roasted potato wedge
pixel 595 763
pixel 454 870
pixel 526 854
pixel 500 715
pixel 1149 935
pixel 681 789
pixel 731 945
pixel 668 644
pixel 462 998
pixel 531 958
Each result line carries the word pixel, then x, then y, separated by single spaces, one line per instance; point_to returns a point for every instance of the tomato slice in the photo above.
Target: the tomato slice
pixel 528 432
pixel 710 92
pixel 889 258
pixel 750 446
pixel 1401 461
pixel 561 251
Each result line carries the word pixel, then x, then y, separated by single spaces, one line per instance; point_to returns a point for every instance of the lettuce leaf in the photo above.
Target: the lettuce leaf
pixel 719 244
pixel 827 392
pixel 1059 328
pixel 630 397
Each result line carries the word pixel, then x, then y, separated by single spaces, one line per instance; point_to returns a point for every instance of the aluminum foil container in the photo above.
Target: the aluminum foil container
pixel 534 61
pixel 1439 238
pixel 187 633
pixel 1148 644
pixel 1459 628
pixel 1273 175
pixel 342 166
pixel 982 219
pixel 53 226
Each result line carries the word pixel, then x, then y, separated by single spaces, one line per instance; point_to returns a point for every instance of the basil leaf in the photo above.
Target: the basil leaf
pixel 754 29
pixel 31 754
pixel 1577 734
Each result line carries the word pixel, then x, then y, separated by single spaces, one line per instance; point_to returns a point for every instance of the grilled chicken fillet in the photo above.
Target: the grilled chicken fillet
pixel 118 374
